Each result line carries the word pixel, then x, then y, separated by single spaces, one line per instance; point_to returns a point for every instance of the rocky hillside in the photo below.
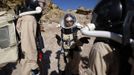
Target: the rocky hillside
pixel 55 14
pixel 52 13
pixel 51 18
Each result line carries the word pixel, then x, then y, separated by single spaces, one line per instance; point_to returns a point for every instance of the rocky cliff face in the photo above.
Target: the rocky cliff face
pixel 84 11
pixel 52 13
pixel 55 14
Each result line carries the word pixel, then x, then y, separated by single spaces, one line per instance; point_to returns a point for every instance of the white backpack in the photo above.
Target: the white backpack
pixel 8 43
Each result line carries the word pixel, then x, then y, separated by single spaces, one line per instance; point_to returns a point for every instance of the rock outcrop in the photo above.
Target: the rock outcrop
pixel 84 11
pixel 53 15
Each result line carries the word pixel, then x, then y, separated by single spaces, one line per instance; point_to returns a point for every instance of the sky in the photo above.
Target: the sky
pixel 74 4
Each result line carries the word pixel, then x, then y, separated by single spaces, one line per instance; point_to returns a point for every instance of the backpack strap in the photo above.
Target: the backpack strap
pixel 39 39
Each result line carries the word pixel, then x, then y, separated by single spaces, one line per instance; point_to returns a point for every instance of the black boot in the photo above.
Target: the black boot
pixel 61 72
pixel 35 72
pixel 75 74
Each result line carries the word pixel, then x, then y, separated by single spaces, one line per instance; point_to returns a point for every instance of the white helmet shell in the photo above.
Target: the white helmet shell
pixel 68 17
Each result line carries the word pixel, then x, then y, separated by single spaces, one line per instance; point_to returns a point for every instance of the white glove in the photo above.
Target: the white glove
pixel 91 26
pixel 79 25
pixel 58 26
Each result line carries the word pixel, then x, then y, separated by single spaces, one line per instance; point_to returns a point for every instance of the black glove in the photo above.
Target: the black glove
pixel 84 40
pixel 58 39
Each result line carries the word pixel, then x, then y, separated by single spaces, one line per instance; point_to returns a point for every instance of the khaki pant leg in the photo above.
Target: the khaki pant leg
pixel 101 59
pixel 26 67
pixel 62 63
pixel 131 61
pixel 26 25
pixel 74 62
